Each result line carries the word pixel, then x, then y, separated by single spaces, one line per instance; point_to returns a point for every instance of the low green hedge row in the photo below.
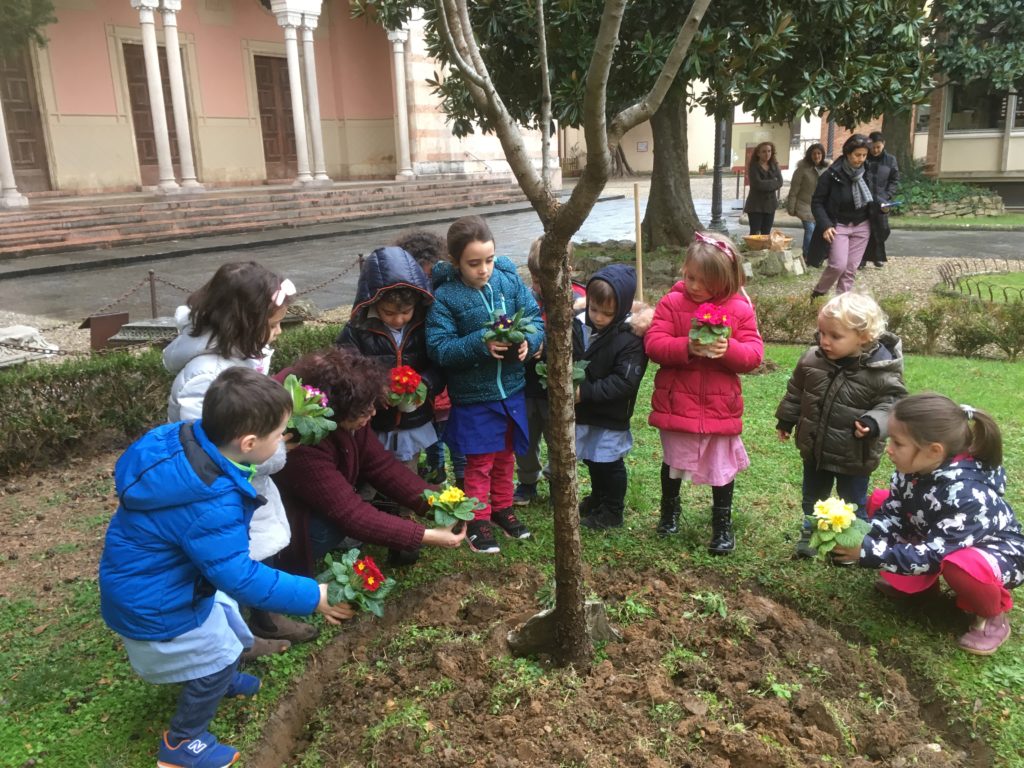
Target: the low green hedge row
pixel 51 411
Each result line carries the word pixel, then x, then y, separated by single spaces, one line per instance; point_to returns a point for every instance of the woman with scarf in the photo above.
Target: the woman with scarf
pixel 842 206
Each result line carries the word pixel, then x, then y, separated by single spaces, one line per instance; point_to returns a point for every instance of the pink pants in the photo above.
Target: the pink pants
pixel 844 257
pixel 489 477
pixel 978 590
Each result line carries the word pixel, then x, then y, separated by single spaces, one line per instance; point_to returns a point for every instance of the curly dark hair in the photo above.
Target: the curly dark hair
pixel 424 245
pixel 234 307
pixel 352 382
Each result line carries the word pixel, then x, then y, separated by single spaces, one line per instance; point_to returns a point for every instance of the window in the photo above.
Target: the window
pixel 922 113
pixel 974 108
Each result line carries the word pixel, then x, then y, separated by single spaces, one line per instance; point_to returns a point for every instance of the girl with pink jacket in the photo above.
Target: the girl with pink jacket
pixel 697 403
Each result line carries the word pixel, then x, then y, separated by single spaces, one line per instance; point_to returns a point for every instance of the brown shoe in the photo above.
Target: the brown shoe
pixel 263 647
pixel 275 626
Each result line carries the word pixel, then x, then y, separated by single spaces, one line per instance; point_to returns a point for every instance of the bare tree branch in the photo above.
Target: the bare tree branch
pixel 643 109
pixel 460 63
pixel 545 98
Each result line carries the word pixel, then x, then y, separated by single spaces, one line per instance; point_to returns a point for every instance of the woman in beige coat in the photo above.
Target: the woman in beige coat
pixel 801 188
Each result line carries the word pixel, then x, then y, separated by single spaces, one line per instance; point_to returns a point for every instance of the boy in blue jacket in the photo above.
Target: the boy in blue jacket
pixel 176 558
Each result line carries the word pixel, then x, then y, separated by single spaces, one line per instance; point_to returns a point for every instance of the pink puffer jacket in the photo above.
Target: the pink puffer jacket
pixel 698 394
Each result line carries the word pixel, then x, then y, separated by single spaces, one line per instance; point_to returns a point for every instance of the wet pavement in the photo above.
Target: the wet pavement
pixel 320 260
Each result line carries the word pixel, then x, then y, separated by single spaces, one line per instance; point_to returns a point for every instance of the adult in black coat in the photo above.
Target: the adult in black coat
pixel 842 206
pixel 765 180
pixel 391 279
pixel 883 173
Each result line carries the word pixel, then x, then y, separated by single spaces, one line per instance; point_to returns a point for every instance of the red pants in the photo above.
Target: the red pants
pixel 489 478
pixel 970 576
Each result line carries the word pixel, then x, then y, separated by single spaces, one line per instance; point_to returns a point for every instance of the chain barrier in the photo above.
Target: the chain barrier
pixel 149 280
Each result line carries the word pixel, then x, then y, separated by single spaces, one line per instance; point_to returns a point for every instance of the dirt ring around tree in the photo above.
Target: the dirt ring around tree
pixel 708 674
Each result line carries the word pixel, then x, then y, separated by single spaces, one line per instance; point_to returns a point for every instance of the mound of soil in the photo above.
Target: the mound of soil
pixel 707 674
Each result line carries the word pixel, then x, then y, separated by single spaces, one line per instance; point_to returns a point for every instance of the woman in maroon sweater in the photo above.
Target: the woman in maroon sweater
pixel 319 483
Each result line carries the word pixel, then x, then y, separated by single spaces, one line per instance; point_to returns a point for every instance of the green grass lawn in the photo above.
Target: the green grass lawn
pixel 68 696
pixel 1007 221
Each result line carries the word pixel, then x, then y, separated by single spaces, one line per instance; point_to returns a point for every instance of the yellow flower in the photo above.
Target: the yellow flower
pixel 451 496
pixel 835 514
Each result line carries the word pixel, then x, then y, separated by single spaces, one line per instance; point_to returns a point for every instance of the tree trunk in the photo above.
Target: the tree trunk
pixel 670 218
pixel 620 165
pixel 899 141
pixel 573 643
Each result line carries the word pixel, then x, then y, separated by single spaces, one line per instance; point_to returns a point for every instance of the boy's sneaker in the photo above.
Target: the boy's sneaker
pixel 803 547
pixel 507 521
pixel 524 494
pixel 203 751
pixel 986 635
pixel 243 686
pixel 480 536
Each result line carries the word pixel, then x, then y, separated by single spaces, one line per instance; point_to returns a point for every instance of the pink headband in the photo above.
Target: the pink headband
pixel 287 289
pixel 719 244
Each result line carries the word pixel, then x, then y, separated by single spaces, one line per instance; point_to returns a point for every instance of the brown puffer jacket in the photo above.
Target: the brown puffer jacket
pixel 824 397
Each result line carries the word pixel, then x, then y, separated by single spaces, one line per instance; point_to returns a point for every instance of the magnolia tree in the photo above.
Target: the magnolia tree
pixel 456 28
pixel 21 21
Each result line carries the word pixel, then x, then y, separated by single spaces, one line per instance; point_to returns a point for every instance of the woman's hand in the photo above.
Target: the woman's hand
pixel 335 614
pixel 444 537
pixel 829 234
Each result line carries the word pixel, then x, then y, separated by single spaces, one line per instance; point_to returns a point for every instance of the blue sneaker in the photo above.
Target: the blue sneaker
pixel 524 494
pixel 203 751
pixel 243 686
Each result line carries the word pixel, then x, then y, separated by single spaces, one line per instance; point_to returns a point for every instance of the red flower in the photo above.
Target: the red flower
pixel 404 380
pixel 373 579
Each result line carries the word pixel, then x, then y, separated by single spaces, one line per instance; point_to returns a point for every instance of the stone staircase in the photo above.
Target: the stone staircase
pixel 60 224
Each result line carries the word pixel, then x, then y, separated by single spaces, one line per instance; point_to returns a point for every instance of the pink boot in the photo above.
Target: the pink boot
pixel 986 635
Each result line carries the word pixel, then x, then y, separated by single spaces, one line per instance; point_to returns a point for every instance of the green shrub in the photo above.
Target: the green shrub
pixel 1007 326
pixel 50 411
pixel 920 191
pixel 897 313
pixel 972 328
pixel 788 319
pixel 931 318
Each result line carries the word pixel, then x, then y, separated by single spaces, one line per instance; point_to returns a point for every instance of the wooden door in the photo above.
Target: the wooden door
pixel 276 125
pixel 24 122
pixel 142 116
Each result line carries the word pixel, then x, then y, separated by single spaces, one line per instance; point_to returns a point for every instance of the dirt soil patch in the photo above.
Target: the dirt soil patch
pixel 707 674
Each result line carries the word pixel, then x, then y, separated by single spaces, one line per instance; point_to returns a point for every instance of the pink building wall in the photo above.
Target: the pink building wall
pixel 353 60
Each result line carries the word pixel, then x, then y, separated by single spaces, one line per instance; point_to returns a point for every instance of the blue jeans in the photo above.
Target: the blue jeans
pixel 808 234
pixel 435 454
pixel 198 703
pixel 853 489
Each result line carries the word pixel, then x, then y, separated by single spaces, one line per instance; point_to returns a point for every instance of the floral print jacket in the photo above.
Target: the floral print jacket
pixel 930 515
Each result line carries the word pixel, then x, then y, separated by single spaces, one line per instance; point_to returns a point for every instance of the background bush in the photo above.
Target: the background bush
pixel 51 411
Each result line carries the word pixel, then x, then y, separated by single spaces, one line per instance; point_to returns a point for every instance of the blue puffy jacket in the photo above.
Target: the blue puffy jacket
pixel 179 534
pixel 455 331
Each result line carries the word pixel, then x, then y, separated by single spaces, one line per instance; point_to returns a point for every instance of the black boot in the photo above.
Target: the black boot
pixel 605 516
pixel 722 541
pixel 587 507
pixel 669 522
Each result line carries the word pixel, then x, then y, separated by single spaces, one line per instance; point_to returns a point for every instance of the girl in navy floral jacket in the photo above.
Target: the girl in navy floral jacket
pixel 946 515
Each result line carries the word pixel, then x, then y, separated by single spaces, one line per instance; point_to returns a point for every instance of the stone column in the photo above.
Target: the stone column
pixel 10 197
pixel 404 159
pixel 316 133
pixel 147 22
pixel 290 21
pixel 178 100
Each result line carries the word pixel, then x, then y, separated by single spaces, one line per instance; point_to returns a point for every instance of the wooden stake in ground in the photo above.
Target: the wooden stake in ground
pixel 639 244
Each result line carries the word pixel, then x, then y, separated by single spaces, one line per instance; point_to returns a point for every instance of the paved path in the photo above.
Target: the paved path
pixel 328 249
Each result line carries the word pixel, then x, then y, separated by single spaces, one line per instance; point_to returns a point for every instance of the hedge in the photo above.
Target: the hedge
pixel 52 411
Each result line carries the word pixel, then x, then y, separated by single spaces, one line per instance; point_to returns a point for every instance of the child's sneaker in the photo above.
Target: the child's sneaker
pixel 243 686
pixel 803 546
pixel 508 522
pixel 480 536
pixel 986 635
pixel 524 494
pixel 203 751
